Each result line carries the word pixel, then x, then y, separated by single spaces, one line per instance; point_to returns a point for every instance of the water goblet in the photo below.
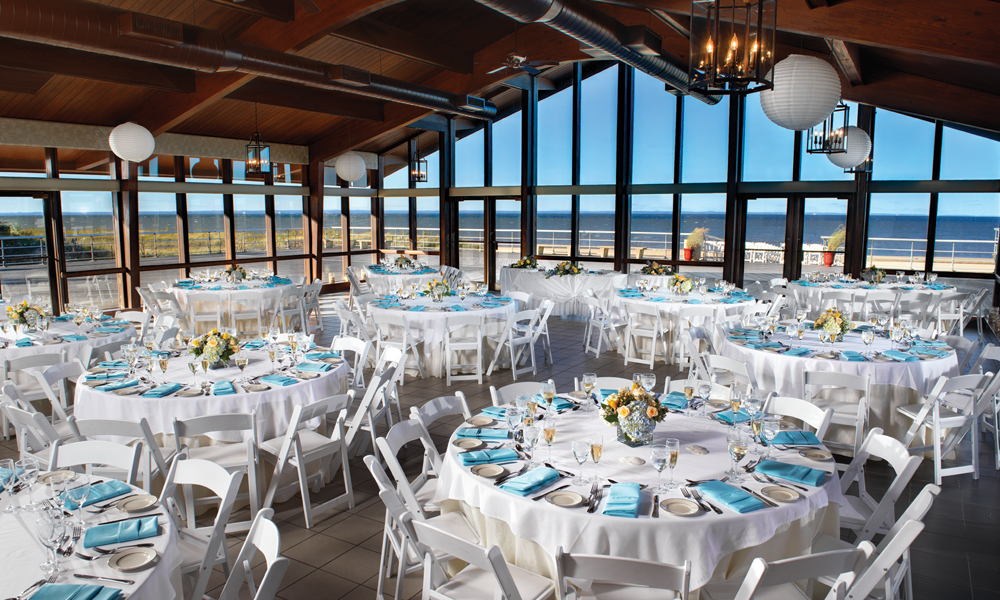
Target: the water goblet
pixel 704 392
pixel 78 495
pixel 868 337
pixel 737 442
pixel 753 405
pixel 932 277
pixel 770 429
pixel 27 473
pixel 659 457
pixel 531 433
pixel 648 381
pixel 581 451
pixel 8 481
pixel 193 367
pixel 242 360
pixel 588 381
pixel 50 529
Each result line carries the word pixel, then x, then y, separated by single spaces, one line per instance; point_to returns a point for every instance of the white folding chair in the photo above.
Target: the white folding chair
pixel 433 410
pixel 815 417
pixel 975 308
pixel 300 446
pixel 463 333
pixel 52 381
pixel 842 300
pixel 361 350
pixel 204 308
pixel 165 338
pixel 246 306
pixel 20 370
pixel 310 305
pixel 90 453
pixel 288 309
pixel 965 348
pixel 107 352
pixel 265 539
pixel 417 492
pixel 61 428
pixel 541 328
pixel 362 416
pixel 619 577
pixel 847 395
pixel 880 303
pixel 154 457
pixel 695 321
pixel 170 306
pixel 394 332
pixel 522 300
pixel 201 548
pixel 643 322
pixel 729 371
pixel 508 393
pixel 517 335
pixel 604 325
pixel 950 313
pixel 35 435
pixel 140 320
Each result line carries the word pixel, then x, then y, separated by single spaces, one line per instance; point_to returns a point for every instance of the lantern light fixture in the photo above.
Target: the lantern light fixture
pixel 830 136
pixel 806 90
pixel 258 152
pixel 132 142
pixel 859 146
pixel 732 46
pixel 350 167
pixel 418 166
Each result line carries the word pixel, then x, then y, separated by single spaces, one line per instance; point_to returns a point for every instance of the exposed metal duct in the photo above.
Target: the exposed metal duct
pixel 103 29
pixel 599 30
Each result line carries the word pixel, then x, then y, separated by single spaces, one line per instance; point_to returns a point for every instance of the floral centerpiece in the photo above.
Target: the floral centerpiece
pixel 24 314
pixel 403 262
pixel 681 284
pixel 528 262
pixel 655 268
pixel 236 273
pixel 564 268
pixel 634 412
pixel 873 275
pixel 833 321
pixel 215 347
pixel 437 288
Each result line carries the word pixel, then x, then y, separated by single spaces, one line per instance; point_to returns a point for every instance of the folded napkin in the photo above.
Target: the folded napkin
pixel 102 376
pixel 797 351
pixel 118 385
pixel 935 343
pixel 744 331
pixel 561 404
pixel 482 434
pixel 796 438
pixel 458 308
pixel 159 354
pixel 750 338
pixel 504 298
pixel 215 287
pixel 796 473
pixel 279 380
pixel 184 282
pixel 113 364
pixel 386 304
pixel 759 345
pixel 906 287
pixel 807 284
pixel 491 305
pixel 837 287
pixel 117 533
pixel 630 294
pixel 63 318
pixel 24 342
pixel 223 388
pixel 900 356
pixel 417 308
pixel 675 400
pixel 522 485
pixel 931 352
pixel 714 290
pixel 602 394
pixel 657 299
pixel 254 344
pixel 623 500
pixel 863 327
pixel 853 356
pixel 320 355
pixel 62 591
pixel 105 317
pixel 100 492
pixel 484 457
pixel 313 367
pixel 162 391
pixel 241 287
pixel 694 301
pixel 495 412
pixel 727 416
pixel 730 300
pixel 870 287
pixel 74 338
pixel 109 329
pixel 730 497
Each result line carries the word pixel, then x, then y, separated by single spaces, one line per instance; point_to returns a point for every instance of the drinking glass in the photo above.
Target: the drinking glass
pixel 588 381
pixel 658 457
pixel 164 362
pixel 242 360
pixel 753 404
pixel 581 450
pixel 896 335
pixel 772 425
pixel 637 379
pixel 27 473
pixel 737 442
pixel 868 337
pixel 271 355
pixel 932 277
pixel 649 381
pixel 689 389
pixel 55 487
pixel 704 391
pixel 673 447
pixel 530 439
pixel 8 483
pixel 548 391
pixel 596 449
pixel 193 367
pixel 78 494
pixel 800 330
pixel 735 401
pixel 204 369
pixel 899 276
pixel 549 432
pixel 50 529
pixel 513 418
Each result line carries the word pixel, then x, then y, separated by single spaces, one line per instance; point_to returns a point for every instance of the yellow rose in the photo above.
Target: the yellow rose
pixel 213 343
pixel 651 412
pixel 651 401
pixel 613 403
pixel 225 336
pixel 623 412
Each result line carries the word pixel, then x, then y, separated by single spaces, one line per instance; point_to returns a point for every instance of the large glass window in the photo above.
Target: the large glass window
pixel 706 141
pixel 897 231
pixel 472 239
pixel 429 223
pixel 361 223
pixel 397 177
pixel 23 251
pixel 88 226
pixel 251 239
pixel 397 222
pixel 764 250
pixel 508 232
pixel 507 150
pixel 966 232
pixel 555 139
pixel 768 149
pixel 823 229
pixel 652 227
pixel 706 214
pixel 433 171
pixel 817 167
pixel 968 156
pixel 207 237
pixel 555 225
pixel 597 226
pixel 288 225
pixel 333 232
pixel 599 117
pixel 469 160
pixel 654 131
pixel 904 147
pixel 158 227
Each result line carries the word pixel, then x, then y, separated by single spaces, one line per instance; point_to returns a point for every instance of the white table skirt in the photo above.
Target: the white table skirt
pixel 706 540
pixel 60 328
pixel 384 283
pixel 428 327
pixel 566 291
pixel 274 406
pixel 21 553
pixel 813 295
pixel 270 296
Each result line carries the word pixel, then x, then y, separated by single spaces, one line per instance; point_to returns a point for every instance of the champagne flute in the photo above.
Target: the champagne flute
pixel 648 381
pixel 242 360
pixel 753 404
pixel 271 354
pixel 800 331
pixel 735 401
pixel 27 473
pixel 772 425
pixel 548 391
pixel 149 342
pixel 596 449
pixel 588 382
pixel 581 450
pixel 673 448
pixel 204 369
pixel 193 367
pixel 78 495
pixel 757 427
pixel 737 442
pixel 8 484
pixel 689 389
pixel 658 457
pixel 164 361
pixel 549 432
pixel 868 337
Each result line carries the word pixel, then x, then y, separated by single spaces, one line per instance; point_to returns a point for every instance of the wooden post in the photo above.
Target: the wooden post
pixel 228 210
pixel 312 219
pixel 127 174
pixel 183 223
pixel 55 236
pixel 529 167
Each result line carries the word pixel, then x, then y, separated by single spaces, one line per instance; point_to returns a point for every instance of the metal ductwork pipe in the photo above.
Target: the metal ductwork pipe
pixel 597 29
pixel 102 29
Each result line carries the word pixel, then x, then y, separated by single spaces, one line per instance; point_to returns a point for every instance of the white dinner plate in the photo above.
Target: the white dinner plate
pixel 781 494
pixel 94 383
pixel 45 477
pixel 823 355
pixel 718 404
pixel 51 342
pixel 682 507
pixel 578 395
pixel 129 391
pixel 256 387
pixel 815 454
pixel 98 335
pixel 489 471
pixel 189 393
pixel 331 361
pixel 136 504
pixel 307 375
pixel 786 424
pixel 131 560
pixel 469 443
pixel 480 421
pixel 565 499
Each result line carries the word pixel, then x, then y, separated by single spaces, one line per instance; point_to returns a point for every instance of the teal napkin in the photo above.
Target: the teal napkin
pixel 254 344
pixel 215 287
pixel 241 287
pixel 483 457
pixel 313 367
pixel 387 304
pixel 522 485
pixel 223 388
pixel 504 298
pixel 796 438
pixel 727 416
pixel 184 282
pixel 417 308
pixel 75 338
pixel 730 497
pixel 931 351
pixel 694 301
pixel 458 308
pixel 934 343
pixel 100 493
pixel 853 356
pixel 837 287
pixel 796 473
pixel 319 355
pixel 657 299
pixel 118 385
pixel 937 286
pixel 906 287
pixel 113 364
pixel 491 305
pixel 561 404
pixel 744 331
pixel 102 376
pixel 730 300
pixel 900 356
pixel 807 284
pixel 25 342
pixel 675 400
pixel 280 380
pixel 6 474
pixel 109 329
pixel 798 351
pixel 482 434
pixel 62 591
pixel 623 500
pixel 63 318
pixel 714 290
pixel 117 533
pixel 495 412
pixel 759 345
pixel 605 393
pixel 162 391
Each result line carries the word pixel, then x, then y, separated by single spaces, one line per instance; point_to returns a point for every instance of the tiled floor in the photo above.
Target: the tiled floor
pixel 957 556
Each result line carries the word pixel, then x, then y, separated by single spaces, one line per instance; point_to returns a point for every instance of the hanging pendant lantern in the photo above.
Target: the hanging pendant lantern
pixel 350 167
pixel 732 46
pixel 132 142
pixel 806 90
pixel 418 166
pixel 258 153
pixel 859 145
pixel 829 137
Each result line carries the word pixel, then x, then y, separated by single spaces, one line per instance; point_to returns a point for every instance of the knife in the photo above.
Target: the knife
pixel 99 578
pixel 759 497
pixel 544 494
pixel 656 506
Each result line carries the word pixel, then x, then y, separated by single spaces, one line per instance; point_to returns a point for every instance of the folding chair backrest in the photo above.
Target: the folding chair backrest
pixel 361 350
pixel 458 321
pixel 401 434
pixel 630 571
pixel 741 372
pixel 990 352
pixel 839 564
pixel 212 423
pixel 965 346
pixel 374 394
pixel 861 383
pixel 508 393
pixel 87 428
pixel 442 406
pixel 34 432
pixel 521 299
pixel 30 363
pixel 807 412
pixel 875 569
pixel 265 539
pixel 107 351
pixel 97 452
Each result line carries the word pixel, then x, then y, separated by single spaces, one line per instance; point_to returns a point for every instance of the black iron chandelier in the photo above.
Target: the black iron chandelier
pixel 732 46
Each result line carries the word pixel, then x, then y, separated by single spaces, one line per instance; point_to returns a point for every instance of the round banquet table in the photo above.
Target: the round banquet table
pixel 427 326
pixel 270 294
pixel 893 383
pixel 21 553
pixel 384 282
pixel 46 343
pixel 565 292
pixel 671 303
pixel 273 406
pixel 529 532
pixel 812 293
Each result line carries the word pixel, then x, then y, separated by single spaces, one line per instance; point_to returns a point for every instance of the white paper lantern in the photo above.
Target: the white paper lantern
pixel 858 147
pixel 130 141
pixel 350 167
pixel 806 90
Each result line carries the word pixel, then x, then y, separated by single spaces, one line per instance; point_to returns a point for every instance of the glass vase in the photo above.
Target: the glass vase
pixel 635 429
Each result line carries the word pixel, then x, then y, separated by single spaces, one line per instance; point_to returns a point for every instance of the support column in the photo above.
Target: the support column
pixel 183 226
pixel 448 205
pixel 529 168
pixel 736 206
pixel 270 223
pixel 623 176
pixel 856 240
pixel 312 217
pixel 933 212
pixel 127 174
pixel 55 236
pixel 378 209
pixel 576 154
pixel 411 153
pixel 228 210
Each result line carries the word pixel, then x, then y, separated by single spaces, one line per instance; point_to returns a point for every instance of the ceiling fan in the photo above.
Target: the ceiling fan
pixel 520 61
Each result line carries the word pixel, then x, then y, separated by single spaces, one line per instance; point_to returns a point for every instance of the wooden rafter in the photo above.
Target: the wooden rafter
pixel 279 10
pixel 848 59
pixel 413 45
pixel 290 95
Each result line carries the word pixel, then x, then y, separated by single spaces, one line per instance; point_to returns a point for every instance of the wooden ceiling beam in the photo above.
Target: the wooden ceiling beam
pixel 22 82
pixel 300 97
pixel 279 10
pixel 420 47
pixel 91 159
pixel 848 59
pixel 42 58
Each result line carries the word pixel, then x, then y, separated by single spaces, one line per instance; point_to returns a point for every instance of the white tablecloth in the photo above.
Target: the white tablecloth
pixel 274 406
pixel 566 291
pixel 428 326
pixel 21 553
pixel 672 304
pixel 707 540
pixel 269 295
pixel 61 328
pixel 385 283
pixel 813 295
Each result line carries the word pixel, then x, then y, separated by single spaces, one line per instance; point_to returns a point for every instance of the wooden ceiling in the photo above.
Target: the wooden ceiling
pixel 933 58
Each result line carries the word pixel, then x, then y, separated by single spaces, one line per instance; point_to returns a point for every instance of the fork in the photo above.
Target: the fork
pixel 106 551
pixel 71 540
pixel 778 483
pixel 697 496
pixel 51 579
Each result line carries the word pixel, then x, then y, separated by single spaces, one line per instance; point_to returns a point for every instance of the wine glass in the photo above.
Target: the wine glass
pixel 735 401
pixel 193 367
pixel 596 449
pixel 513 418
pixel 204 369
pixel 581 450
pixel 549 431
pixel 51 528
pixel 896 335
pixel 548 391
pixel 771 427
pixel 588 382
pixel 800 331
pixel 637 379
pixel 8 483
pixel 868 337
pixel 78 495
pixel 27 473
pixel 648 381
pixel 704 391
pixel 242 360
pixel 753 404
pixel 658 457
pixel 164 361
pixel 737 442
pixel 272 352
pixel 531 433
pixel 689 389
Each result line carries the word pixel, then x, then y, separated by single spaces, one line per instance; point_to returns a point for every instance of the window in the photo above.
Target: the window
pixel 88 226
pixel 470 160
pixel 472 239
pixel 555 226
pixel 708 212
pixel 817 167
pixel 397 222
pixel 824 221
pixel 897 231
pixel 288 234
pixel 158 226
pixel 763 250
pixel 206 232
pixel 433 171
pixel 555 139
pixel 706 141
pixel 507 150
pixel 25 253
pixel 904 147
pixel 652 227
pixel 251 239
pixel 204 168
pixel 360 223
pixel 597 226
pixel 966 232
pixel 654 131
pixel 429 223
pixel 333 232
pixel 768 149
pixel 155 167
pixel 599 129
pixel 968 156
